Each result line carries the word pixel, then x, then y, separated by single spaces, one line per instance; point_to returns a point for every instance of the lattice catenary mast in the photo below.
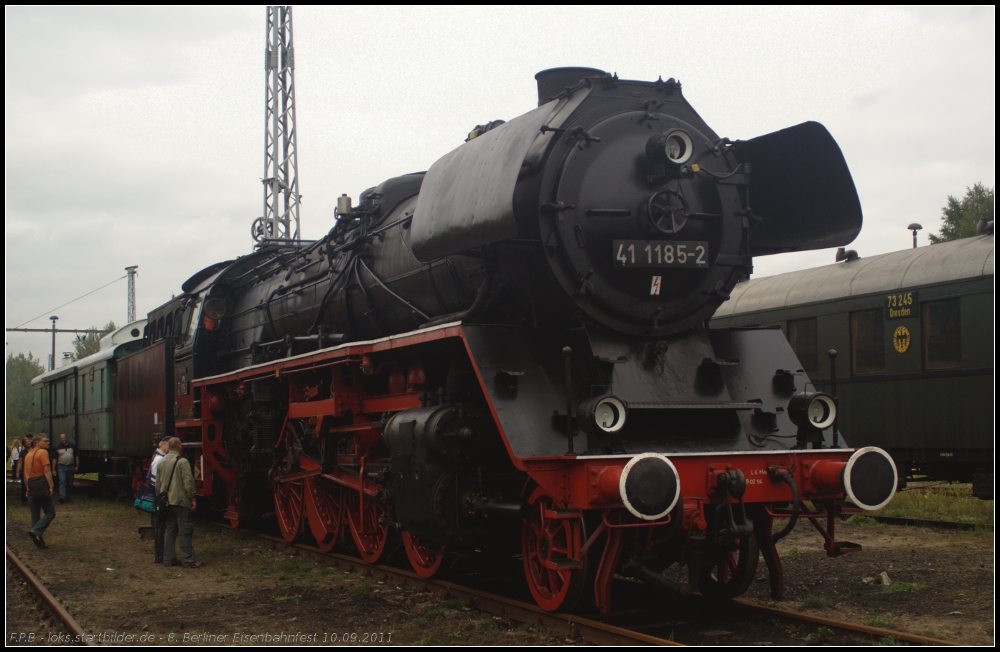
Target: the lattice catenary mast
pixel 131 293
pixel 281 181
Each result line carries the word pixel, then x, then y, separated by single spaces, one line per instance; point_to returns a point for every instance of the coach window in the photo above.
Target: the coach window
pixel 941 332
pixel 802 337
pixel 867 342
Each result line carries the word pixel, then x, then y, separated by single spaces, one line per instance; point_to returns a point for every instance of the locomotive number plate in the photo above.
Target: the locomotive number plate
pixel 661 253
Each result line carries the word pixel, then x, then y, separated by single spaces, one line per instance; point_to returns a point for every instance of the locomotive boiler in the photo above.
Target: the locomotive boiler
pixel 507 354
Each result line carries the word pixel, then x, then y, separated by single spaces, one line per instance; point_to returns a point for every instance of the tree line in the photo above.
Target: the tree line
pixel 21 369
pixel 960 217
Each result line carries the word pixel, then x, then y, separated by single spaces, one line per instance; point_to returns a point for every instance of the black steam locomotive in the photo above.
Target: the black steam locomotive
pixel 508 353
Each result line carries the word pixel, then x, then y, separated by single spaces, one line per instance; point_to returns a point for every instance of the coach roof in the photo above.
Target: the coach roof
pixel 109 344
pixel 949 261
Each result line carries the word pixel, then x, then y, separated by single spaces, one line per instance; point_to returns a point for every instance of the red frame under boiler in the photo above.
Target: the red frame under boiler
pixel 576 483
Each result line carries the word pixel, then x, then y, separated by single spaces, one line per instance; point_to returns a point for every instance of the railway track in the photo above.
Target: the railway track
pixel 575 628
pixel 634 624
pixel 51 602
pixel 844 625
pixel 922 522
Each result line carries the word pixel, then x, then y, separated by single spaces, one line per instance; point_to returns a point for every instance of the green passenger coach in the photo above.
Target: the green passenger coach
pixel 76 399
pixel 914 333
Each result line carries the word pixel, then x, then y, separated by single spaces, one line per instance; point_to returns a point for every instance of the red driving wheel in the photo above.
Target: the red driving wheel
pixel 288 508
pixel 232 513
pixel 370 536
pixel 425 561
pixel 324 511
pixel 548 544
pixel 727 573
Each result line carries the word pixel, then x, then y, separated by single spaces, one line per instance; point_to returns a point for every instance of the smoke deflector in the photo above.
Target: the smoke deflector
pixel 801 189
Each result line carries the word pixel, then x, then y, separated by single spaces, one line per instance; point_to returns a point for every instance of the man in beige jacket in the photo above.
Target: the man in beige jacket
pixel 174 477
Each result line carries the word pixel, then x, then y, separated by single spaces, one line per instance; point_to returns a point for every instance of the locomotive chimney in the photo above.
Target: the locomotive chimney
pixel 553 81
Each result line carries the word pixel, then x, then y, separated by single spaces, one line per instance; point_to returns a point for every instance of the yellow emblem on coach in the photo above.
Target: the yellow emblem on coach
pixel 901 339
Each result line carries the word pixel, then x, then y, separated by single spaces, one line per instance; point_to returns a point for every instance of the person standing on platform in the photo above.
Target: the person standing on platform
pixel 175 479
pixel 38 480
pixel 65 464
pixel 159 524
pixel 15 455
pixel 26 444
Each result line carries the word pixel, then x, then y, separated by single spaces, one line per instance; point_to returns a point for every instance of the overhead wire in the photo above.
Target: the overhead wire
pixel 73 301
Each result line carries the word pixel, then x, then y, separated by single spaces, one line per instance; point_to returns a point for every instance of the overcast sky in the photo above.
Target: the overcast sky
pixel 135 136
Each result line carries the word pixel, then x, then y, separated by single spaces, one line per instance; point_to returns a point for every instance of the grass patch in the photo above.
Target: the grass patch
pixel 821 635
pixel 883 621
pixel 286 598
pixel 897 587
pixel 950 502
pixel 294 565
pixel 861 519
pixel 817 602
pixel 363 589
pixel 888 640
pixel 419 622
pixel 434 613
pixel 452 604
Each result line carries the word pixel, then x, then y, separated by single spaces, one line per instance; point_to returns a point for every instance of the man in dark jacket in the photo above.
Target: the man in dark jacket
pixel 174 478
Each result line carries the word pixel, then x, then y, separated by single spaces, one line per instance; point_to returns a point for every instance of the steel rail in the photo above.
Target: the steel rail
pixel 842 624
pixel 922 522
pixel 50 600
pixel 574 627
